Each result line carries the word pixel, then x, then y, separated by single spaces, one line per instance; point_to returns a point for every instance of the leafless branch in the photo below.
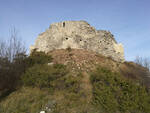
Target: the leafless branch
pixel 13 46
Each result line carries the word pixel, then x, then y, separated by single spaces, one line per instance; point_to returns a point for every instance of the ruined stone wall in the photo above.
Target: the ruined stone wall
pixel 79 35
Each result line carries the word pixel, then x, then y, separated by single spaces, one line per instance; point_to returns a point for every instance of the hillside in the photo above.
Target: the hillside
pixel 87 61
pixel 79 81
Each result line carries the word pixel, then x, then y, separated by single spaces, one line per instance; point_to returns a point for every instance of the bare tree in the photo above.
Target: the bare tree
pixel 145 75
pixel 145 62
pixel 12 54
pixel 12 47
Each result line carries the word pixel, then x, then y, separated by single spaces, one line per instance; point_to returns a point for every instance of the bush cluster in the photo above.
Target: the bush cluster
pixel 38 58
pixel 39 74
pixel 55 77
pixel 42 75
pixel 11 71
pixel 113 93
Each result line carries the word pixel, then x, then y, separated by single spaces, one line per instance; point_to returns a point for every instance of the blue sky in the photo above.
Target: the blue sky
pixel 128 20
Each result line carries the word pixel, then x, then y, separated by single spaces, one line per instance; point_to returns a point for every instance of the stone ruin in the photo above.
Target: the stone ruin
pixel 79 35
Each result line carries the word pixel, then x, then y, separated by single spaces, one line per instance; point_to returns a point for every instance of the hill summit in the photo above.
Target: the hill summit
pixel 79 35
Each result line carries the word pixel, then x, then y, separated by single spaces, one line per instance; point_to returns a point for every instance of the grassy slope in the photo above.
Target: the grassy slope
pixel 79 91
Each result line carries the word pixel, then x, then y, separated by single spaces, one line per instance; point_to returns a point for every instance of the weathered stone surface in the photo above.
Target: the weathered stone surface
pixel 79 35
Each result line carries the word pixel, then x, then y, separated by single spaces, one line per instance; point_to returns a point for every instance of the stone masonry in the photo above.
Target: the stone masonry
pixel 79 35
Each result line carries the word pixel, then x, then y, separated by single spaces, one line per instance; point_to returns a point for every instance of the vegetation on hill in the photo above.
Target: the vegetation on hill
pixel 72 81
pixel 114 93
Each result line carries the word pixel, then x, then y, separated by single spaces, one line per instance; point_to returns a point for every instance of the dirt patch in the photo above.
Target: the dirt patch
pixel 81 59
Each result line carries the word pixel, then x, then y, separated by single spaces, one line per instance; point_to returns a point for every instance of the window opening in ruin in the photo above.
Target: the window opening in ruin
pixel 66 38
pixel 80 40
pixel 63 24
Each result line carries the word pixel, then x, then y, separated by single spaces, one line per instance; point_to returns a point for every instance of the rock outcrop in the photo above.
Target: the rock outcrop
pixel 79 35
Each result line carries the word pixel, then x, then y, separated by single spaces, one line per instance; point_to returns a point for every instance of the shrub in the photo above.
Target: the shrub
pixel 114 93
pixel 38 58
pixel 42 75
pixel 72 83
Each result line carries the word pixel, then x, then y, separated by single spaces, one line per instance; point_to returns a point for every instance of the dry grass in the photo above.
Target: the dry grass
pixel 25 100
pixel 136 72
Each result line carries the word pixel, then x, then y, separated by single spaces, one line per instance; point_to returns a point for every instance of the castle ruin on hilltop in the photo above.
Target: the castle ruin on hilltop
pixel 79 35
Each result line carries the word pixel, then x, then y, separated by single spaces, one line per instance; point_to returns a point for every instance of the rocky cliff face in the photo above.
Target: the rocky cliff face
pixel 79 35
